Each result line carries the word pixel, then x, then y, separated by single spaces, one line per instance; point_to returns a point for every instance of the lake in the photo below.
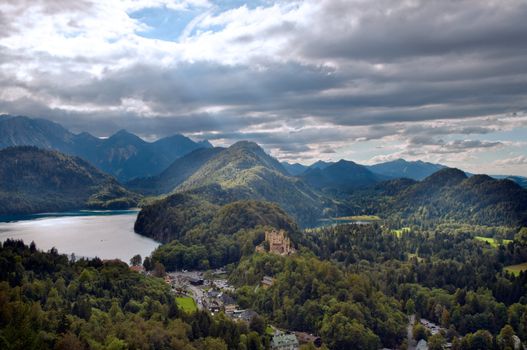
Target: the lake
pixel 105 234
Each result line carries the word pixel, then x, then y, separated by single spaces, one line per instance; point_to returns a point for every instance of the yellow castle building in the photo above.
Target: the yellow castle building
pixel 278 243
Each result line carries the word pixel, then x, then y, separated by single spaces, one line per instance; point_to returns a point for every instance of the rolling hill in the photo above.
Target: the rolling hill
pixel 182 216
pixel 123 155
pixel 340 176
pixel 34 180
pixel 520 180
pixel 449 194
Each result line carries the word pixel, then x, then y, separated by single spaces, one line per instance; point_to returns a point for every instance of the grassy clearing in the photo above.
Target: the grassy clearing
pixel 495 243
pixel 399 232
pixel 516 269
pixel 187 304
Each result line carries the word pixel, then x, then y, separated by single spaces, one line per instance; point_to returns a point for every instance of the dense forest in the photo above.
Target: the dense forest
pixel 52 301
pixel 352 284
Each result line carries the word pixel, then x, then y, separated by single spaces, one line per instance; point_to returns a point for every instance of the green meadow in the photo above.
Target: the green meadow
pixel 516 269
pixel 187 304
pixel 493 241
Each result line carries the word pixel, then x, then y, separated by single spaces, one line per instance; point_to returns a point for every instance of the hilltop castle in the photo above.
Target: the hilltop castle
pixel 278 243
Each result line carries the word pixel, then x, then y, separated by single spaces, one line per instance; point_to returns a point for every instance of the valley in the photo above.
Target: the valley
pixel 230 248
pixel 263 175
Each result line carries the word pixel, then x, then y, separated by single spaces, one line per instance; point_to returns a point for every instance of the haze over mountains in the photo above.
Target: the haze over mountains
pixel 123 155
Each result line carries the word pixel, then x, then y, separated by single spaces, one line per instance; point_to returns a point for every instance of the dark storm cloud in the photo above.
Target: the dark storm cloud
pixel 386 67
pixel 386 30
pixel 186 85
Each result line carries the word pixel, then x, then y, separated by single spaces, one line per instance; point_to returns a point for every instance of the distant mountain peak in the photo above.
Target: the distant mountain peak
pixel 400 168
pixel 446 176
pixel 320 164
pixel 124 133
pixel 205 144
pixel 344 162
pixel 246 144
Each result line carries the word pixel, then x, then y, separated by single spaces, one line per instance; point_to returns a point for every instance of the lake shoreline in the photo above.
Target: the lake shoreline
pixel 102 234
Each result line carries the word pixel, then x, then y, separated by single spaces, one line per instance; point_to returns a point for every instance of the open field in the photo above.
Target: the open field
pixel 516 269
pixel 187 304
pixel 493 241
pixel 401 231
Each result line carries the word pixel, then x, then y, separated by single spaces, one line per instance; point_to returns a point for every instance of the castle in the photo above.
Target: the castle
pixel 278 243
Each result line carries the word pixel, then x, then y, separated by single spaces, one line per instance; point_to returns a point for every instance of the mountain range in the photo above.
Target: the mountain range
pixel 395 169
pixel 35 180
pixel 46 180
pixel 123 155
pixel 399 168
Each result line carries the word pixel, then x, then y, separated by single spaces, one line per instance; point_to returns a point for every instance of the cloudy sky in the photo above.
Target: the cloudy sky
pixel 365 80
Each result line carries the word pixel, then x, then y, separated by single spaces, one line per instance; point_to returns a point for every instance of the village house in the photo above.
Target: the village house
pixel 137 268
pixel 196 281
pixel 278 243
pixel 422 345
pixel 168 279
pixel 284 341
pixel 306 338
pixel 267 281
pixel 244 315
pixel 230 308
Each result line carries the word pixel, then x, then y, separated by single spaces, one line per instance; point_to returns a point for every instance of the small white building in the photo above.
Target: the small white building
pixel 284 341
pixel 422 345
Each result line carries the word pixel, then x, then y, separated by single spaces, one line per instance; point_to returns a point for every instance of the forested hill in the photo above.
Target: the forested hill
pixel 341 176
pixel 202 235
pixel 245 171
pixel 450 195
pixel 34 180
pixel 182 216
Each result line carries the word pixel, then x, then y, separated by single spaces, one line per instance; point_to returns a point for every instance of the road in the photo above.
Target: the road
pixel 409 331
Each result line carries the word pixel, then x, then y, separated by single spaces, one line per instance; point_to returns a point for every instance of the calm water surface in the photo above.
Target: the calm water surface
pixel 106 234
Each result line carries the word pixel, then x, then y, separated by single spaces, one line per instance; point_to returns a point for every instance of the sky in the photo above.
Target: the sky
pixel 365 80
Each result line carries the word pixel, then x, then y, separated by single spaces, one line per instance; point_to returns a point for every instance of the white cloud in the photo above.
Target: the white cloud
pixel 519 160
pixel 304 78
